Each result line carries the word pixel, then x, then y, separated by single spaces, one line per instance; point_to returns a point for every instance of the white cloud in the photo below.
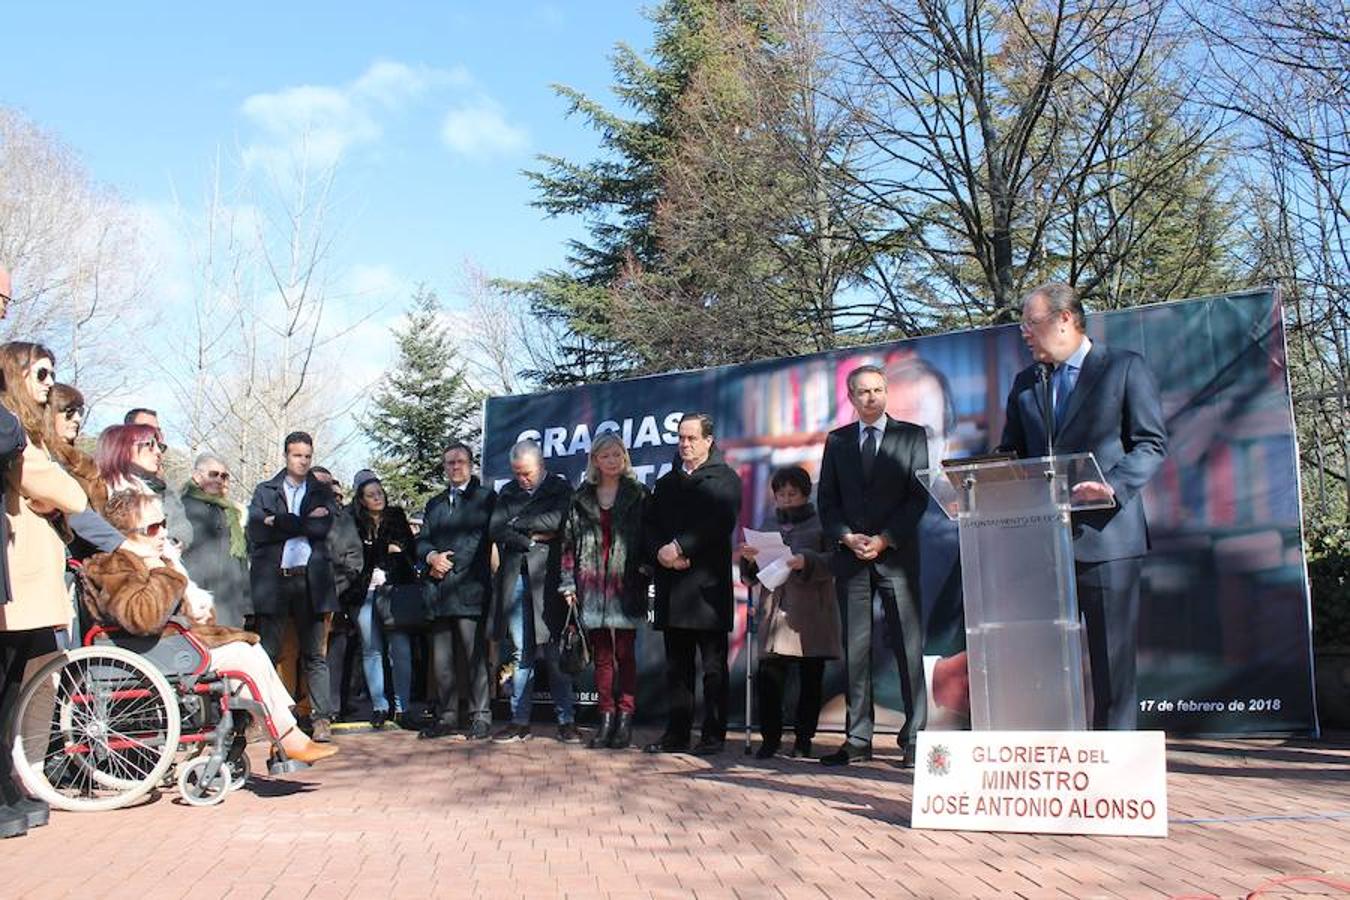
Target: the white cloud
pixel 480 129
pixel 317 124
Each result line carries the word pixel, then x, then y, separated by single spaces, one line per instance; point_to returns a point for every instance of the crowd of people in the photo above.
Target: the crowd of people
pixel 487 585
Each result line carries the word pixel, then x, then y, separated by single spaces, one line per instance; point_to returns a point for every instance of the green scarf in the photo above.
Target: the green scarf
pixel 238 545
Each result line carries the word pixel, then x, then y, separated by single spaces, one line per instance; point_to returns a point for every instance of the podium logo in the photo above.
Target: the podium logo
pixel 939 760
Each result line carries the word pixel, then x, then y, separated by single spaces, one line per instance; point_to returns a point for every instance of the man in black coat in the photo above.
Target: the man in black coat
pixel 1102 401
pixel 455 544
pixel 870 506
pixel 691 516
pixel 291 575
pixel 527 522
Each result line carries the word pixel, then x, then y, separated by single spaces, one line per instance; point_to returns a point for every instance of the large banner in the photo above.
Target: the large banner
pixel 1224 624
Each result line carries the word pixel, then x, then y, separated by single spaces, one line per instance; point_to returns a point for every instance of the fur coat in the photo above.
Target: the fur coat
pixel 122 590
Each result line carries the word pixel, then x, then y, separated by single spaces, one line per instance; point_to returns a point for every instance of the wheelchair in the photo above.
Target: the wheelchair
pixel 100 726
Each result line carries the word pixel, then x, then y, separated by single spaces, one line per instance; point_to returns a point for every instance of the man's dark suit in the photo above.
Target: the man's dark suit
pixel 306 598
pixel 888 503
pixel 1115 413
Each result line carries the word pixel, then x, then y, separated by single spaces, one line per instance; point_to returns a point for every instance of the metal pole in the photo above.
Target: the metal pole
pixel 749 661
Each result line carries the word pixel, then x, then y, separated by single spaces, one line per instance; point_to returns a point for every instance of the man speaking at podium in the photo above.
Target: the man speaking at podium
pixel 1101 401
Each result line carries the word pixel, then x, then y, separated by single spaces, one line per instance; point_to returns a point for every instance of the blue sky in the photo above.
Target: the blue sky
pixel 435 108
pixel 148 92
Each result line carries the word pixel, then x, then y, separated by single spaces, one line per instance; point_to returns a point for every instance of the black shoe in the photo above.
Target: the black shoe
pixel 846 754
pixel 668 744
pixel 437 729
pixel 13 822
pixel 322 732
pixel 603 733
pixel 35 812
pixel 768 749
pixel 479 731
pixel 568 733
pixel 512 734
pixel 801 748
pixel 622 737
pixel 710 746
pixel 407 721
pixel 378 718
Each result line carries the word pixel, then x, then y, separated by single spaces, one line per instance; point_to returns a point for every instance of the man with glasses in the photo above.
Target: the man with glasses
pixel 218 557
pixel 1078 397
pixel 456 545
pixel 291 574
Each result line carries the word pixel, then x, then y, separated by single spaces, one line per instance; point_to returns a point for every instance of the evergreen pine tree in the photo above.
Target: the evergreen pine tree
pixel 423 404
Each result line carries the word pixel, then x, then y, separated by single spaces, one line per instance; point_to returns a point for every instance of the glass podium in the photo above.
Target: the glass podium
pixel 1023 634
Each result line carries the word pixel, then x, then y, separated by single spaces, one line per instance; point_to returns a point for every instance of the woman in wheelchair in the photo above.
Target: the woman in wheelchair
pixel 139 586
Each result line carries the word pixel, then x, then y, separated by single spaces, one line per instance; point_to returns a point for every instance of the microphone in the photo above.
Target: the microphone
pixel 1046 403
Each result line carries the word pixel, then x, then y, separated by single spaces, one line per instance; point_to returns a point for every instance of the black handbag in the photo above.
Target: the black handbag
pixel 574 649
pixel 402 607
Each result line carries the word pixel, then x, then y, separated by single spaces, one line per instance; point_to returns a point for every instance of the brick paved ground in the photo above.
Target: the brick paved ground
pixel 397 817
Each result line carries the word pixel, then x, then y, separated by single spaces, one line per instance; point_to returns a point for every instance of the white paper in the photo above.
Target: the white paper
pixel 775 573
pixel 769 547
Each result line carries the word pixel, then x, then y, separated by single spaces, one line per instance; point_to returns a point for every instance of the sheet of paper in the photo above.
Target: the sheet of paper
pixel 768 545
pixel 775 573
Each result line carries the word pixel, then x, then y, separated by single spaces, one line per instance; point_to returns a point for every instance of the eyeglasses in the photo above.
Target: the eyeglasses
pixel 44 373
pixel 153 529
pixel 145 445
pixel 212 473
pixel 1036 322
pixel 73 412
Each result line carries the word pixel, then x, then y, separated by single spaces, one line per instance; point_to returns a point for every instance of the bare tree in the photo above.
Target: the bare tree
pixel 1284 67
pixel 262 351
pixel 494 334
pixel 1003 141
pixel 75 248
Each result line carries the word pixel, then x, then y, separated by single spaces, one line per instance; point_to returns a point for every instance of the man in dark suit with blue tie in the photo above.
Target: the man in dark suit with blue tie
pixel 1102 401
pixel 870 505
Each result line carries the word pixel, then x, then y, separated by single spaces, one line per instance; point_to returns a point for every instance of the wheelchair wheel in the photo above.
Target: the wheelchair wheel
pixel 241 770
pixel 96 728
pixel 197 789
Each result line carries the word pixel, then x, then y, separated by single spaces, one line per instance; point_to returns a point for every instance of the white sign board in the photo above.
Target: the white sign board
pixel 1055 782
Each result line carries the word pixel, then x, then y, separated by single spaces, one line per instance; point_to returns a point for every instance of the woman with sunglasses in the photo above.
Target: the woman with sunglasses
pixel 139 586
pixel 131 458
pixel 86 533
pixel 35 615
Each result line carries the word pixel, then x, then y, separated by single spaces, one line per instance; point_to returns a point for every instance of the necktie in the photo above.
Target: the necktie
pixel 869 451
pixel 454 498
pixel 1062 391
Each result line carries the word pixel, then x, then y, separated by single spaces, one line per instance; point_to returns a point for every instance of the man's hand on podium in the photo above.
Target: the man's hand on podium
pixel 1092 492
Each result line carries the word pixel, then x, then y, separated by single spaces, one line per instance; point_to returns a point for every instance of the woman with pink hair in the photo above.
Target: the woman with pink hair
pixel 131 458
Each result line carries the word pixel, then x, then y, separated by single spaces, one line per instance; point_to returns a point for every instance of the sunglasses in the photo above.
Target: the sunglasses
pixel 44 373
pixel 140 445
pixel 212 473
pixel 73 412
pixel 154 529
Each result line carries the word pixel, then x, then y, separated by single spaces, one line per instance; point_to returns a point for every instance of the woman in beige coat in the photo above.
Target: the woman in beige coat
pixel 798 620
pixel 35 616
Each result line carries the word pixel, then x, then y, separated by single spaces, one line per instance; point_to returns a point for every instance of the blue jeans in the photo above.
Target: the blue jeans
pixel 373 643
pixel 525 655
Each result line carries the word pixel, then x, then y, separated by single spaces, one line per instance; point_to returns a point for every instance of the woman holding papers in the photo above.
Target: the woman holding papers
pixel 798 615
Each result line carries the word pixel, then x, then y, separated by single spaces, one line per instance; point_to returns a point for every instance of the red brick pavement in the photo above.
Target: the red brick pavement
pixel 396 817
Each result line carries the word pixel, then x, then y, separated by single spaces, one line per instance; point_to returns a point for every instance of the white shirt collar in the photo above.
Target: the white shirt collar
pixel 880 424
pixel 1076 360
